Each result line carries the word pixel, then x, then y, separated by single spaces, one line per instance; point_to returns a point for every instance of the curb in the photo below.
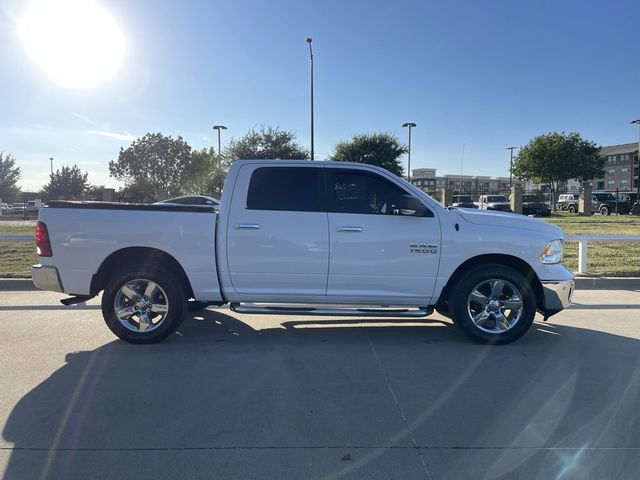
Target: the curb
pixel 16 284
pixel 607 283
pixel 582 283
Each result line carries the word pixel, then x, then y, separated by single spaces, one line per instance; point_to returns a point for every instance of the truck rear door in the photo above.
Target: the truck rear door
pixel 277 236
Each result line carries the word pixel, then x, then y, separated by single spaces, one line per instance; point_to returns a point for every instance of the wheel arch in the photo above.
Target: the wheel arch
pixel 494 259
pixel 139 256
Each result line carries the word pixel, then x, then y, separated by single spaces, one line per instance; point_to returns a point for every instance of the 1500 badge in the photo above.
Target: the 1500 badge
pixel 423 248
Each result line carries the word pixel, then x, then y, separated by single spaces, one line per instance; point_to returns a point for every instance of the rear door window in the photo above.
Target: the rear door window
pixel 295 189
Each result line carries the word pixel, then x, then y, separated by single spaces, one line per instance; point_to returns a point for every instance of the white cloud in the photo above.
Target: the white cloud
pixel 117 136
pixel 82 117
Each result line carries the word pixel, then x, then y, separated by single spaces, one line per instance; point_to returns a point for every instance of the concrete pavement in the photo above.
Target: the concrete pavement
pixel 270 397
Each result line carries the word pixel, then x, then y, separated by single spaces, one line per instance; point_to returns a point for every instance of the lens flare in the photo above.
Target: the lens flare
pixel 77 43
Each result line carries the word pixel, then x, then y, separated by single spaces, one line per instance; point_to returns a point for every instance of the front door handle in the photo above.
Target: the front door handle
pixel 350 229
pixel 251 226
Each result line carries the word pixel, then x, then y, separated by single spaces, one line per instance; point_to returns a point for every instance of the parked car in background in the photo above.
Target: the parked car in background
pixel 33 207
pixel 193 200
pixel 18 209
pixel 493 202
pixel 533 205
pixel 607 203
pixel 568 202
pixel 604 203
pixel 6 209
pixel 462 201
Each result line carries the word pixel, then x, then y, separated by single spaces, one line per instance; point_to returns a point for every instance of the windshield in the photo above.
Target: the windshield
pixel 497 199
pixel 462 199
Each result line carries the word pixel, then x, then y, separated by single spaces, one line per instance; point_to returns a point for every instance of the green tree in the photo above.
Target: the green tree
pixel 94 192
pixel 554 158
pixel 153 163
pixel 66 182
pixel 9 176
pixel 266 142
pixel 380 149
pixel 207 171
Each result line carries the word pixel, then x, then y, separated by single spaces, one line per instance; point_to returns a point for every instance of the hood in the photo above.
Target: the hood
pixel 511 220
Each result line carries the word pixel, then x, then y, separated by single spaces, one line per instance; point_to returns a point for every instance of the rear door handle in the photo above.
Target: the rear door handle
pixel 350 229
pixel 250 226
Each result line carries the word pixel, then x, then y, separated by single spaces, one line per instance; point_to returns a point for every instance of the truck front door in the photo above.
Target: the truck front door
pixel 379 253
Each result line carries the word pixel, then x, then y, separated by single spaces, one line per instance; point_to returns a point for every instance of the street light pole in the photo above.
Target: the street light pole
pixel 311 58
pixel 636 207
pixel 51 160
pixel 409 125
pixel 218 128
pixel 511 167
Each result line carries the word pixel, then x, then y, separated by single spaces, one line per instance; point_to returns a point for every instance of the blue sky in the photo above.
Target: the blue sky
pixel 483 74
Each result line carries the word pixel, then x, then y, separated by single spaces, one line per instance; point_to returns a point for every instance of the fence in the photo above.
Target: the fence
pixel 583 245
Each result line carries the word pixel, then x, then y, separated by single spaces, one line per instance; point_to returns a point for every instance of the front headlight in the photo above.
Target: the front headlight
pixel 552 253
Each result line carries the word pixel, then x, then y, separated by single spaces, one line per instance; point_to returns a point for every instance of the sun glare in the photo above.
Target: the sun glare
pixel 77 43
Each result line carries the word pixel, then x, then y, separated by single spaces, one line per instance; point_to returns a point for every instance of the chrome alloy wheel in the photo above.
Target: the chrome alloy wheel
pixel 495 306
pixel 141 305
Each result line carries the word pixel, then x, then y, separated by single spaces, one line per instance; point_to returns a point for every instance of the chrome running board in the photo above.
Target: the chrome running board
pixel 333 312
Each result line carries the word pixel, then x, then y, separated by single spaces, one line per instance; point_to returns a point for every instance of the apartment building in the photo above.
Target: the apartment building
pixel 427 180
pixel 620 168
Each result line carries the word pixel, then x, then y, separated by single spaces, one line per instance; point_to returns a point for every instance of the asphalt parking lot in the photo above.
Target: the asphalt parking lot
pixel 270 397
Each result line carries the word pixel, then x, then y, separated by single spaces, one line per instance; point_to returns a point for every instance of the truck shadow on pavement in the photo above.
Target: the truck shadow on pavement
pixel 221 399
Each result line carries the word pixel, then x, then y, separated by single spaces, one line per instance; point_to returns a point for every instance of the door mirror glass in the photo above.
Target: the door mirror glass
pixel 410 206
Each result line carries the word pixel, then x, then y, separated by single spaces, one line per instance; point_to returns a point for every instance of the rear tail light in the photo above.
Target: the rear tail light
pixel 43 242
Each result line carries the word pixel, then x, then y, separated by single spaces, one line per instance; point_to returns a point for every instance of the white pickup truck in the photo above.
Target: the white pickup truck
pixel 305 238
pixel 493 202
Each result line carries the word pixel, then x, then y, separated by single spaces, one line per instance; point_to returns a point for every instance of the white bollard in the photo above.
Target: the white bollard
pixel 582 256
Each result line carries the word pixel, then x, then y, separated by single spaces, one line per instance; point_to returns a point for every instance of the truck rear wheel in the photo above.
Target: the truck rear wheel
pixel 493 304
pixel 143 304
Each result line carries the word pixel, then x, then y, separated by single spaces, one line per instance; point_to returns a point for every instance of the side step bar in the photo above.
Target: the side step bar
pixel 334 312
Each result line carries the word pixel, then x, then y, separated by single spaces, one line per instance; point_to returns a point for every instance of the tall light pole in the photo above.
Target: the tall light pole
pixel 51 160
pixel 636 207
pixel 311 58
pixel 409 125
pixel 511 167
pixel 218 128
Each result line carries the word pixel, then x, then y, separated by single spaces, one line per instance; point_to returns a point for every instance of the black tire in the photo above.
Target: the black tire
pixel 572 209
pixel 170 291
pixel 604 210
pixel 515 285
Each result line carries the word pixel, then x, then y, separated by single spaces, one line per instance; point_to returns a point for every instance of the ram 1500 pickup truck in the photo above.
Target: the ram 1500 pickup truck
pixel 305 238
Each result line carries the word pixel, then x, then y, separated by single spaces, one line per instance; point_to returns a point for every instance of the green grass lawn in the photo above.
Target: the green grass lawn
pixel 16 258
pixel 620 259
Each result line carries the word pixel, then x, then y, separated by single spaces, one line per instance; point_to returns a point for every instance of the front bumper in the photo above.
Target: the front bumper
pixel 46 278
pixel 557 295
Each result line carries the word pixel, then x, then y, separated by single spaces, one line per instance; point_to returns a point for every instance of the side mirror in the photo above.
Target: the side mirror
pixel 411 207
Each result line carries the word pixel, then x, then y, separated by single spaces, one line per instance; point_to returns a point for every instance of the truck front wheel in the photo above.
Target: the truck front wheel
pixel 493 304
pixel 143 304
